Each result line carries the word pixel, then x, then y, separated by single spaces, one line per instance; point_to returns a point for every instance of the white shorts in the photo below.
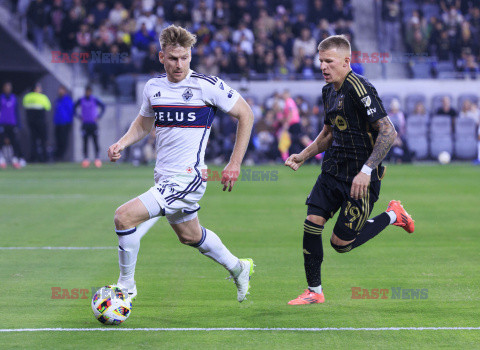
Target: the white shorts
pixel 175 197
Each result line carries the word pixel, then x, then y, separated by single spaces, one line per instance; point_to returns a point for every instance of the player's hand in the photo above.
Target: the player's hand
pixel 230 175
pixel 360 185
pixel 114 151
pixel 295 161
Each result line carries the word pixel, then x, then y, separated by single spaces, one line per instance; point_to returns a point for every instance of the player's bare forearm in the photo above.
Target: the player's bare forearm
pixel 241 111
pixel 321 144
pixel 386 137
pixel 139 128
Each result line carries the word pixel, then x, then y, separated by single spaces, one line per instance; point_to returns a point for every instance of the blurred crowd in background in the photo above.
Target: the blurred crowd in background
pixel 285 123
pixel 259 39
pixel 240 39
pixel 442 36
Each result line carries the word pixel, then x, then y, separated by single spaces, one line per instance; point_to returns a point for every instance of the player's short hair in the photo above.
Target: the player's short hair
pixel 177 36
pixel 335 41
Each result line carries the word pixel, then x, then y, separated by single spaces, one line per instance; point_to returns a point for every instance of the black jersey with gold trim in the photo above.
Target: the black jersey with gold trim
pixel 350 112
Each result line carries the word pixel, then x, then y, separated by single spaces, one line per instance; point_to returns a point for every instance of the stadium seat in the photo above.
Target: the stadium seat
pixel 125 88
pixel 465 138
pixel 418 145
pixel 440 144
pixel 441 126
pixel 416 136
pixel 461 98
pixel 436 102
pixel 421 70
pixel 412 100
pixel 440 135
pixel 387 99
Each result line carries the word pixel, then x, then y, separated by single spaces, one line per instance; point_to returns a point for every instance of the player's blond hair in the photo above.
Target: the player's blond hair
pixel 335 42
pixel 177 36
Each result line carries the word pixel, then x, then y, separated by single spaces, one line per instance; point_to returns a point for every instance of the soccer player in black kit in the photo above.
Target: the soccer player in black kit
pixel 356 137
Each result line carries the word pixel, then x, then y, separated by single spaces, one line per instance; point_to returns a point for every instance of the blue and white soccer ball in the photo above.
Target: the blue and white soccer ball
pixel 111 305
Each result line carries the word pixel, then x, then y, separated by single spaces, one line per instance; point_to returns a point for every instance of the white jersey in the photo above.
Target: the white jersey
pixel 183 114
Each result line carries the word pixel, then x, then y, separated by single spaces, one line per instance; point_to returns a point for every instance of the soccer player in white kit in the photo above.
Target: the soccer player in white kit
pixel 181 104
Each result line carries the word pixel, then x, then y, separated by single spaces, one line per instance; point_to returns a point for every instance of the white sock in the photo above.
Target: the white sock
pixel 393 216
pixel 478 150
pixel 211 246
pixel 129 241
pixel 316 289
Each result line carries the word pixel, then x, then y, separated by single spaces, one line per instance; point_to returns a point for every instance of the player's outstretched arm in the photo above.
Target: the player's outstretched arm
pixel 321 144
pixel 241 111
pixel 140 128
pixel 386 137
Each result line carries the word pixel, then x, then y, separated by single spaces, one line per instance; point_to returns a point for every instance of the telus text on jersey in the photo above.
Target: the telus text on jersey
pixel 175 116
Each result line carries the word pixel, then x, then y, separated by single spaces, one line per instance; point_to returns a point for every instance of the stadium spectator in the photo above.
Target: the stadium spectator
pixel 143 38
pixel 307 70
pixel 291 123
pixel 151 65
pixel 446 109
pixel 202 13
pixel 264 23
pixel 91 109
pixel 318 11
pixel 149 19
pixel 36 106
pixel 84 37
pixel 9 125
pixel 69 30
pixel 117 14
pixel 283 68
pixel 399 152
pixel 62 119
pixel 342 11
pixel 221 14
pixel 38 13
pixel 100 13
pixel 305 45
pixel 470 110
pixel 420 111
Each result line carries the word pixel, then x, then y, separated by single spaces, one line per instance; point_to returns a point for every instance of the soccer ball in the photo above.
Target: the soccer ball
pixel 444 157
pixel 111 305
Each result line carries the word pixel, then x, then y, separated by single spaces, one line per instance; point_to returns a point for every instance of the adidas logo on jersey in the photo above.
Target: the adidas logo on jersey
pixel 158 94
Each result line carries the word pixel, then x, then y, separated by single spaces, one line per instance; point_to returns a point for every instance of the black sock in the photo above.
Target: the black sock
pixel 312 252
pixel 371 229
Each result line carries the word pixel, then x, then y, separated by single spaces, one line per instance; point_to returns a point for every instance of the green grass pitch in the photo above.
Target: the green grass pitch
pixel 67 206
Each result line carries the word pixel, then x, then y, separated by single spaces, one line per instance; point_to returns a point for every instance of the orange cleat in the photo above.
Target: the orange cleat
pixel 404 219
pixel 85 163
pixel 98 163
pixel 308 297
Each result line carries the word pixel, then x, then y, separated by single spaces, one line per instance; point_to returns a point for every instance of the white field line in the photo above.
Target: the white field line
pixel 236 329
pixel 57 248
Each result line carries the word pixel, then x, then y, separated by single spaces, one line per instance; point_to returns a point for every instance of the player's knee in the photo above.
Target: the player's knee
pixel 341 248
pixel 318 220
pixel 187 239
pixel 121 218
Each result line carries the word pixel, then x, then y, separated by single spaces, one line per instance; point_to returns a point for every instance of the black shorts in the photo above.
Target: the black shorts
pixel 89 129
pixel 329 194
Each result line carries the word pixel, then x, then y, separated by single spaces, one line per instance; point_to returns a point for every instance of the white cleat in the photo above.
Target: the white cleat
pixel 132 292
pixel 242 281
